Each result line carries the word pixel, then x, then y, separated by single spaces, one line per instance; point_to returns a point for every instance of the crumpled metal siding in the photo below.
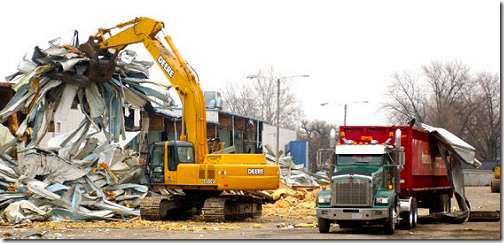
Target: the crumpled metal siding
pixel 73 179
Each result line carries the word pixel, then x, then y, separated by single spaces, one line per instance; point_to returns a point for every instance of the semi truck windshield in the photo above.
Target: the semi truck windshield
pixel 359 159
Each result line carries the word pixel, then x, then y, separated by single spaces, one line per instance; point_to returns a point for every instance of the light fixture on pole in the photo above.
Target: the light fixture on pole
pixel 278 110
pixel 345 107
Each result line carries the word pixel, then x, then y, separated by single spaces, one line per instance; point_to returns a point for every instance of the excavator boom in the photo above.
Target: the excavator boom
pixel 145 30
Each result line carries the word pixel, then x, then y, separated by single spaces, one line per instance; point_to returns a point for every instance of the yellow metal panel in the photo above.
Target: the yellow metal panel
pixel 187 174
pixel 235 159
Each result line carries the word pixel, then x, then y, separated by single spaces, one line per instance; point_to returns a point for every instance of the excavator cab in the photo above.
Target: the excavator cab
pixel 167 155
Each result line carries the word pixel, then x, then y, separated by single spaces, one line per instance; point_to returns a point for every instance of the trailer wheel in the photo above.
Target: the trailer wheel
pixel 407 219
pixel 414 209
pixel 440 204
pixel 324 225
pixel 390 222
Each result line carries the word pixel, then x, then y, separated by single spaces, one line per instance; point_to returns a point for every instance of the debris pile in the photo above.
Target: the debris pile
pixel 288 203
pixel 287 198
pixel 136 223
pixel 292 174
pixel 85 174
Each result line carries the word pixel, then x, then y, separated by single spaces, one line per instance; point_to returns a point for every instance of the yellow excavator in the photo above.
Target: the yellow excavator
pixel 495 182
pixel 185 164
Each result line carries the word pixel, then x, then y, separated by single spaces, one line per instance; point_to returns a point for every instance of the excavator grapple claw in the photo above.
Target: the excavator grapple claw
pixel 101 64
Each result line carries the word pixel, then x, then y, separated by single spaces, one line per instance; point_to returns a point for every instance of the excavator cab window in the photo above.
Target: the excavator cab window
pixel 180 152
pixel 172 166
pixel 155 165
pixel 185 154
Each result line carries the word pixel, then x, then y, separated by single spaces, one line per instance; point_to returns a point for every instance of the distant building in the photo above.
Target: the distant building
pixel 242 132
pixel 151 124
pixel 481 176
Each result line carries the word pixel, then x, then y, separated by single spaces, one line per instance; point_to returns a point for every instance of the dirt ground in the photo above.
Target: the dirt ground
pixel 276 223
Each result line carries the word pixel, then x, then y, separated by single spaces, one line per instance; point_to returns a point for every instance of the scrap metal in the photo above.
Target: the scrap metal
pixel 74 178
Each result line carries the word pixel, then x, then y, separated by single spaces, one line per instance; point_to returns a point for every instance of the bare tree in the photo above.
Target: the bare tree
pixel 450 94
pixel 486 127
pixel 408 101
pixel 238 100
pixel 317 133
pixel 447 95
pixel 258 99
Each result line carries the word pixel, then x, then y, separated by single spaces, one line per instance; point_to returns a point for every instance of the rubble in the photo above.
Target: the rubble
pixel 292 174
pixel 85 174
pixel 136 223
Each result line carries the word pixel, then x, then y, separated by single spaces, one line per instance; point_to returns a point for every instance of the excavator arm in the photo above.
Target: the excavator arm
pixel 213 173
pixel 145 30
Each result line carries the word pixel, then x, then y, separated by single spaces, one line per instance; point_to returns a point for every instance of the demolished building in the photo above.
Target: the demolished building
pixel 53 170
pixel 74 148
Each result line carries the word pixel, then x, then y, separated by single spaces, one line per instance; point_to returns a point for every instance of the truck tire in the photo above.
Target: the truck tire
pixel 389 224
pixel 495 185
pixel 410 219
pixel 440 204
pixel 407 219
pixel 414 206
pixel 324 225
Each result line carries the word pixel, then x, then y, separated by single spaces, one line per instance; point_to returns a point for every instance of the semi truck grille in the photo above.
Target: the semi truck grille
pixel 355 193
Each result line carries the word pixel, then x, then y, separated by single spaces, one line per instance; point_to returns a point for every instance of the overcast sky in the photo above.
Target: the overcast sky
pixel 349 48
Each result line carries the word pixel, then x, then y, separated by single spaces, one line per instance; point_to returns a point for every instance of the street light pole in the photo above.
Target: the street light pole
pixel 278 122
pixel 278 112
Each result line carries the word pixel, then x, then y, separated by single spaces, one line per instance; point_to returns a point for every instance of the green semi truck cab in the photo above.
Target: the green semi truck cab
pixel 364 188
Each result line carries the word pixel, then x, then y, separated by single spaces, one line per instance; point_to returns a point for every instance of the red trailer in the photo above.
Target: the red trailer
pixel 383 175
pixel 424 175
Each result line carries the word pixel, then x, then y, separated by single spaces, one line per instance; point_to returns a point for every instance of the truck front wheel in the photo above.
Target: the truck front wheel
pixel 389 224
pixel 324 225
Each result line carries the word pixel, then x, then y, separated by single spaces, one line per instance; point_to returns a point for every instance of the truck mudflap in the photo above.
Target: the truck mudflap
pixel 352 213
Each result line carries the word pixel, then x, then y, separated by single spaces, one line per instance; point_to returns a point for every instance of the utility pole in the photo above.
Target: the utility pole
pixel 278 122
pixel 278 111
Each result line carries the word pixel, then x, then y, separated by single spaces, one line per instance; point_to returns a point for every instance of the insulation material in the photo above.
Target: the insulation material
pixel 298 204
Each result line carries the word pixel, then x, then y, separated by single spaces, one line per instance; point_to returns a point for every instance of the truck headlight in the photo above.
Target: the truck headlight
pixel 324 199
pixel 382 200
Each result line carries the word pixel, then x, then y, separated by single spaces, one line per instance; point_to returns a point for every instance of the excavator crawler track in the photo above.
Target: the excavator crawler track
pixel 169 207
pixel 153 208
pixel 231 207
